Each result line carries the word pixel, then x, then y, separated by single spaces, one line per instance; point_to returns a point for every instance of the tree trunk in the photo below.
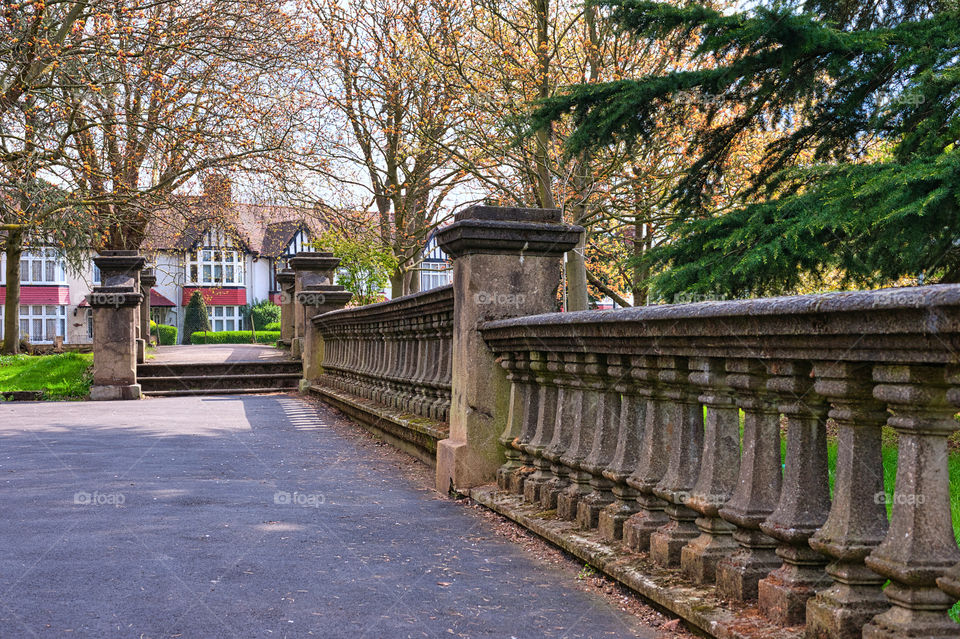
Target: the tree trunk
pixel 578 298
pixel 11 311
pixel 396 284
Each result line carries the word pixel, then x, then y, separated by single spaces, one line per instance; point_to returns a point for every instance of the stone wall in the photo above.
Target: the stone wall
pixel 625 434
pixel 388 365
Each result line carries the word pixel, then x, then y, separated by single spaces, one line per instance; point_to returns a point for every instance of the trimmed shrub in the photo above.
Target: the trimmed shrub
pixel 234 337
pixel 195 319
pixel 260 314
pixel 166 335
pixel 272 326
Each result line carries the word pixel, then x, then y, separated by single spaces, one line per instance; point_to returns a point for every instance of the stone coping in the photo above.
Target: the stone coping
pixel 437 300
pixel 920 324
pixel 414 434
pixel 697 605
pixel 509 214
pixel 507 237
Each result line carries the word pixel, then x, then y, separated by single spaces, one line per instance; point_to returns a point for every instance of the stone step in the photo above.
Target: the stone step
pixel 217 382
pixel 274 367
pixel 219 391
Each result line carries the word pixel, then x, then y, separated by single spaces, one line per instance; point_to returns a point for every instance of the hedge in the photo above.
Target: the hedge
pixel 234 337
pixel 166 335
pixel 272 326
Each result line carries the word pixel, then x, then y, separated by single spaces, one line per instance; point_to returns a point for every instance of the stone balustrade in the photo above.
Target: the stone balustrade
pixel 697 435
pixel 389 366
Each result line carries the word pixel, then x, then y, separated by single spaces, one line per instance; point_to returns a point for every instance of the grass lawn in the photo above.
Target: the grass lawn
pixel 62 376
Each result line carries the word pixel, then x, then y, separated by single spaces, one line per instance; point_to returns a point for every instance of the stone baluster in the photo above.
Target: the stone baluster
pixel 562 433
pixel 857 522
pixel 920 544
pixel 585 404
pixel 758 484
pixel 546 416
pixel 654 456
pixel 629 437
pixel 508 361
pixel 529 398
pixel 718 473
pixel 804 498
pixel 604 443
pixel 668 541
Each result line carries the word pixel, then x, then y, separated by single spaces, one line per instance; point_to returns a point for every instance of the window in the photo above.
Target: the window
pixel 43 322
pixel 434 275
pixel 216 262
pixel 225 318
pixel 90 323
pixel 299 242
pixel 42 266
pixel 97 277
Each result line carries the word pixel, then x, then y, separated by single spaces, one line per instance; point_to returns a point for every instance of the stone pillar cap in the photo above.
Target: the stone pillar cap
pixel 120 261
pixel 114 297
pixel 148 277
pixel 286 275
pixel 314 261
pixel 508 231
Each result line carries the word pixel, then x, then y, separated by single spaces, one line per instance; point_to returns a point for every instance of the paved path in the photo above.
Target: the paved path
pixel 216 353
pixel 251 516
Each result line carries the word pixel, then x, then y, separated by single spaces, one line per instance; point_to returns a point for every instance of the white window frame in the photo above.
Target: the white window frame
pixel 215 256
pixel 434 275
pixel 225 318
pixel 30 315
pixel 49 261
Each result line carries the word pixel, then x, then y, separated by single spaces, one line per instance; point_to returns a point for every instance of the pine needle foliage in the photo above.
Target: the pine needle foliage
pixel 838 80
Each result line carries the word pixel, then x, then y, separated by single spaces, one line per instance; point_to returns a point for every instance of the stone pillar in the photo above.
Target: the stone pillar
pixel 315 301
pixel 758 484
pixel 115 322
pixel 920 545
pixel 719 469
pixel 666 544
pixel 857 522
pixel 286 281
pixel 147 280
pixel 310 270
pixel 506 264
pixel 804 498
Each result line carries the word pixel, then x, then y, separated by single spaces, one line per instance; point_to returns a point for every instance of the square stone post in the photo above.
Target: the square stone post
pixel 147 280
pixel 507 263
pixel 316 301
pixel 286 281
pixel 310 269
pixel 115 324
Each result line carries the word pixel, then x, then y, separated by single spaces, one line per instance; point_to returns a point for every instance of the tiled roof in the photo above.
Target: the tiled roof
pixel 156 299
pixel 213 296
pixel 32 294
pixel 261 229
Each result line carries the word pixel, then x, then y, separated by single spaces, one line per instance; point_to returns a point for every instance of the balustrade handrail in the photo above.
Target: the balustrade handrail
pixel 677 384
pixel 902 324
pixel 435 300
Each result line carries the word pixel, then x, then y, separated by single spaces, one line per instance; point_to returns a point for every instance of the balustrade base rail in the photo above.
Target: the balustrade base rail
pixel 699 606
pixel 413 434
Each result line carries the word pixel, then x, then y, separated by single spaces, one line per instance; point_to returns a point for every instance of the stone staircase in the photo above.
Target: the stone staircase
pixel 221 378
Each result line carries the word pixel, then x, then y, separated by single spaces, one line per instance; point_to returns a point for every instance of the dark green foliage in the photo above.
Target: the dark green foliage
pixel 166 335
pixel 195 318
pixel 846 77
pixel 260 313
pixel 234 337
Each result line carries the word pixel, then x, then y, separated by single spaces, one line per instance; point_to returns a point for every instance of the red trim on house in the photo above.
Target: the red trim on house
pixel 276 298
pixel 156 299
pixel 32 294
pixel 218 296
